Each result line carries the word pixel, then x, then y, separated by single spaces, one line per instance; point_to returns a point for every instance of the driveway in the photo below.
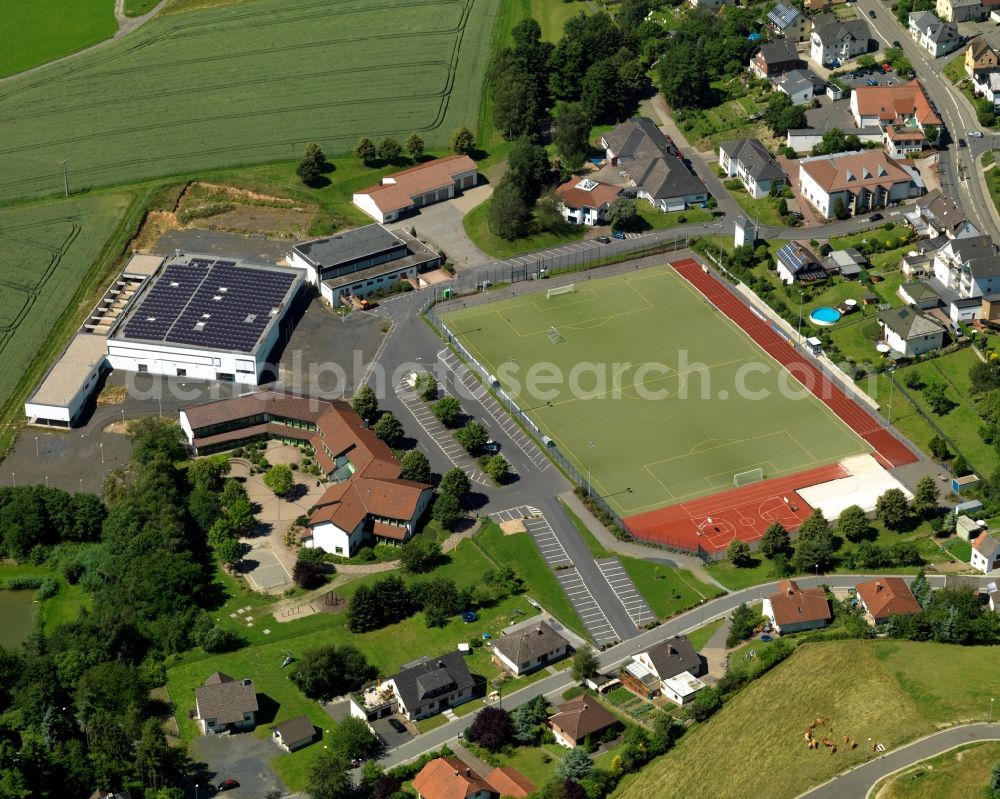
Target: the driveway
pixel 243 758
pixel 440 225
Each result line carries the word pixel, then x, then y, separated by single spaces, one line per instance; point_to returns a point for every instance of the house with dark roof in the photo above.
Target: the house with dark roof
pixel 985 553
pixel 579 718
pixel 936 214
pixel 800 85
pixel 222 704
pixel 792 609
pixel 749 160
pixel 294 733
pixel 910 331
pixel 774 58
pixel 936 37
pixel 962 10
pixel 980 57
pixel 796 263
pixel 403 192
pixel 970 267
pixel 450 778
pixel 529 648
pixel 834 39
pixel 652 165
pixel 885 597
pixel 677 667
pixel 426 686
pixel 787 22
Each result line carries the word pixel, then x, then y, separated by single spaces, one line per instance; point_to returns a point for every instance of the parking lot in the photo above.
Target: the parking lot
pixel 244 758
pixel 586 607
pixel 626 591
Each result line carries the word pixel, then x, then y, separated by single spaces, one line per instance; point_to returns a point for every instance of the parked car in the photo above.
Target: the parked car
pixel 896 44
pixel 875 218
pixel 397 725
pixel 961 142
pixel 872 82
pixel 872 14
pixel 602 240
pixel 227 785
pixel 974 134
pixel 618 234
pixel 491 447
pixel 887 67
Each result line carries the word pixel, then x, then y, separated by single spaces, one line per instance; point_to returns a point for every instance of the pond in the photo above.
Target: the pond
pixel 17 612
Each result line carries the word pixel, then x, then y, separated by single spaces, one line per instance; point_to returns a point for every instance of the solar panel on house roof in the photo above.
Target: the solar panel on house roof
pixel 208 303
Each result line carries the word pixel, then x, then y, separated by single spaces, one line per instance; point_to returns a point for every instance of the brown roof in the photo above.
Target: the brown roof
pixel 792 604
pixel 347 504
pixel 294 730
pixel 887 596
pixel 270 402
pixel 574 196
pixel 853 171
pixel 225 701
pixel 980 47
pixel 529 643
pixel 581 717
pixel 397 190
pixel 449 778
pixel 510 782
pixel 898 101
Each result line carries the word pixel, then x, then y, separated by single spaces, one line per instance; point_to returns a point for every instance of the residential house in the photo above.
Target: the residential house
pixel 885 597
pixel 919 295
pixel 792 609
pixel 639 679
pixel 903 112
pixel 861 181
pixel 426 686
pixel 910 331
pixel 749 160
pixel 774 58
pixel 796 262
pixel 584 201
pixel 653 166
pixel 294 733
pixel 846 263
pixel 509 781
pixel 939 215
pixel 800 85
pixel 677 666
pixel 579 718
pixel 987 84
pixel 711 5
pixel 407 191
pixel 787 22
pixel 969 267
pixel 980 57
pixel 936 37
pixel 802 140
pixel 222 704
pixel 529 648
pixel 985 553
pixel 833 39
pixel 960 10
pixel 450 778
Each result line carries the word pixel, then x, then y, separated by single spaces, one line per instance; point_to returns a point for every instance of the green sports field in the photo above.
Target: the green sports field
pixel 640 378
pixel 242 84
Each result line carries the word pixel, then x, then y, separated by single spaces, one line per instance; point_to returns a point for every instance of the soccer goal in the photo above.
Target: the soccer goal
pixel 751 476
pixel 555 336
pixel 570 289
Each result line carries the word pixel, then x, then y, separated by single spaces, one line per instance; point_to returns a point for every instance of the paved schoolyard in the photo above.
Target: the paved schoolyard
pixel 242 757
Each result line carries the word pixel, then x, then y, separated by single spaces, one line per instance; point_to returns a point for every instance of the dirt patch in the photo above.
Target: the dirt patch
pixel 216 206
pixel 119 427
pixel 111 395
pixel 153 227
pixel 513 526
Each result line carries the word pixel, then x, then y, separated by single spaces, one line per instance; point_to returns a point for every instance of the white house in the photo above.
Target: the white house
pixel 749 160
pixel 985 553
pixel 403 192
pixel 796 262
pixel 676 665
pixel 427 686
pixel 800 85
pixel 862 181
pixel 833 39
pixel 909 331
pixel 987 84
pixel 936 37
pixel 939 215
pixel 529 648
pixel 586 202
pixel 971 268
pixel 792 609
pixel 222 704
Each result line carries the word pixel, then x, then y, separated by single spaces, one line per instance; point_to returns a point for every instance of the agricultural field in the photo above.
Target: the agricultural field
pixel 36 33
pixel 50 249
pixel 887 691
pixel 210 89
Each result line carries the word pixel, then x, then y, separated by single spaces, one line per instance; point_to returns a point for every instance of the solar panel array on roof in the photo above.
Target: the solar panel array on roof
pixel 209 303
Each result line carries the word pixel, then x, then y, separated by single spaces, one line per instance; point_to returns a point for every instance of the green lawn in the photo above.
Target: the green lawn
pixel 519 551
pixel 962 550
pixel 727 119
pixel 962 773
pixel 890 233
pixel 700 637
pixel 763 210
pixel 136 8
pixel 553 14
pixel 887 691
pixel 226 87
pixel 35 33
pixel 657 220
pixel 476 224
pixel 689 441
pixel 955 71
pixel 905 415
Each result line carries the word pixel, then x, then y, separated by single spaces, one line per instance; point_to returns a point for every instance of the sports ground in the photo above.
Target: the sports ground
pixel 662 397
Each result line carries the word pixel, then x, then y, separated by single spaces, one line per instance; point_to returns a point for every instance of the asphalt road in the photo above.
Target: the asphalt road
pixel 554 685
pixel 859 781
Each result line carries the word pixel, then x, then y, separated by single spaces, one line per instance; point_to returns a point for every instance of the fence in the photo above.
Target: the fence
pixel 927 418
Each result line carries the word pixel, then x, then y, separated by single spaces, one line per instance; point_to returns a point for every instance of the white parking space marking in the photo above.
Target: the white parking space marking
pixel 586 607
pixel 623 588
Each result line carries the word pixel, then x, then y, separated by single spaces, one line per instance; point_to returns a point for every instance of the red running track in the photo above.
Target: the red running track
pixel 889 450
pixel 712 523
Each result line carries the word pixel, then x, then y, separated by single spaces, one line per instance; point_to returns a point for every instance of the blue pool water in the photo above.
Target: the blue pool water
pixel 825 316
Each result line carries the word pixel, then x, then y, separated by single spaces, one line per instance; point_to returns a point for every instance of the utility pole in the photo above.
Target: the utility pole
pixel 65 171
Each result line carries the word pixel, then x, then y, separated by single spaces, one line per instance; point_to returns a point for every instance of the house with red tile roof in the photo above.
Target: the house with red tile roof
pixel 792 609
pixel 403 192
pixel 450 778
pixel 584 201
pixel 904 112
pixel 511 782
pixel 885 597
pixel 862 181
pixel 985 553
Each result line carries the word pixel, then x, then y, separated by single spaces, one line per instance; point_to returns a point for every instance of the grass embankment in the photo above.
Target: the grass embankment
pixel 36 33
pixel 959 774
pixel 64 606
pixel 476 224
pixel 887 691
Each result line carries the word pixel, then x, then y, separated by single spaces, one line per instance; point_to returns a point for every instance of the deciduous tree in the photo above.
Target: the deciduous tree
pixel 775 541
pixel 571 134
pixel 365 404
pixel 853 523
pixel 892 510
pixel 388 428
pixel 463 141
pixel 446 511
pixel 455 482
pixel 415 466
pixel 492 729
pixel 365 151
pixel 310 168
pixel 389 150
pixel 414 146
pixel 585 663
pixel 447 410
pixel 279 479
pixel 508 216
